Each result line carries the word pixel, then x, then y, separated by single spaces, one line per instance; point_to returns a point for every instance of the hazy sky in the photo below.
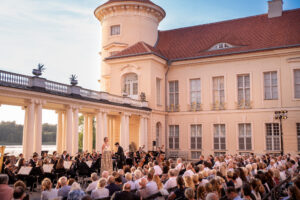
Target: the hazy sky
pixel 66 37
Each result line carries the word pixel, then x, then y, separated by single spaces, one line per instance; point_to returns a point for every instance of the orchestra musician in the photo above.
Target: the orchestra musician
pixel 120 156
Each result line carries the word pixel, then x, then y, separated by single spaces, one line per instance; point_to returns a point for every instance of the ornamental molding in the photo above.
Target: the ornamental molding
pixel 112 9
pixel 130 68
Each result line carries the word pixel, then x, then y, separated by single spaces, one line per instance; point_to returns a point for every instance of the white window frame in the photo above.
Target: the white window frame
pixel 173 135
pixel 274 138
pixel 115 32
pixel 128 85
pixel 245 136
pixel 218 135
pixel 296 84
pixel 271 86
pixel 195 136
pixel 175 93
pixel 243 90
pixel 218 90
pixel 196 91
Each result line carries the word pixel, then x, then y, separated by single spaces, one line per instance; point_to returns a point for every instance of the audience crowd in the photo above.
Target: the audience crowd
pixel 233 177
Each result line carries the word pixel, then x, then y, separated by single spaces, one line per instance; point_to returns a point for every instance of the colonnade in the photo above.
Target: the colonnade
pixel 67 129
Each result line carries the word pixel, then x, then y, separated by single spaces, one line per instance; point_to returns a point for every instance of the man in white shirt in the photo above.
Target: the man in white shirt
pixel 93 184
pixel 189 171
pixel 148 189
pixel 179 165
pixel 157 168
pixel 171 182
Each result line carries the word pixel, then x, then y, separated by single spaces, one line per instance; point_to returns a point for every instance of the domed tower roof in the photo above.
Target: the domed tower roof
pixel 114 5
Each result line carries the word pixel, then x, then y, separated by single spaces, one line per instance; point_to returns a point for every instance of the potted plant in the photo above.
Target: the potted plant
pixel 38 71
pixel 73 80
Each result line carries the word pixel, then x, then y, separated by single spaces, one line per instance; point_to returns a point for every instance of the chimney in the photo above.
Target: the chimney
pixel 275 8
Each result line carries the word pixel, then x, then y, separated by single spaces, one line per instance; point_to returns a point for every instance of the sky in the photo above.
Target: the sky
pixel 65 36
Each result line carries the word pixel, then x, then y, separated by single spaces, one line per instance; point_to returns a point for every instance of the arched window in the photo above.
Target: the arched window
pixel 158 133
pixel 130 85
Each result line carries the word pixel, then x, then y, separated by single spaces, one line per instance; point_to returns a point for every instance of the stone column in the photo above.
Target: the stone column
pixel 85 133
pixel 59 132
pixel 99 131
pixel 68 135
pixel 64 128
pixel 24 141
pixel 146 133
pixel 105 132
pixel 38 128
pixel 90 133
pixel 75 132
pixel 124 131
pixel 143 133
pixel 29 131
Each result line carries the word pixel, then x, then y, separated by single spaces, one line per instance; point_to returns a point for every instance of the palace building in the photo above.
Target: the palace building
pixel 227 87
pixel 212 88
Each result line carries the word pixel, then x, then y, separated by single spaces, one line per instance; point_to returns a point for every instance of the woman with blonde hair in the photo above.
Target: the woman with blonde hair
pixel 100 191
pixel 188 181
pixel 76 193
pixel 48 192
pixel 160 186
pixel 195 178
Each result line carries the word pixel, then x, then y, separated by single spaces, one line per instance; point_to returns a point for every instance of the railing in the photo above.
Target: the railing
pixel 12 78
pixel 56 87
pixel 18 80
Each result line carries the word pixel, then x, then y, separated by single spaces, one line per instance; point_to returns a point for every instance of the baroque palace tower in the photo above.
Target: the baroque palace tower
pixel 124 23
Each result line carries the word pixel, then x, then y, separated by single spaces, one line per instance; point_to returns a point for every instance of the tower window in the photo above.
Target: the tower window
pixel 115 30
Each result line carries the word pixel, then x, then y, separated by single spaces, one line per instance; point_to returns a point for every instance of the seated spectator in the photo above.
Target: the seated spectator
pixel 125 194
pixel 19 193
pixel 189 194
pixel 76 193
pixel 189 183
pixel 100 191
pixel 293 193
pixel 148 188
pixel 138 176
pixel 232 194
pixel 111 185
pixel 201 192
pixel 6 192
pixel 189 171
pixel 105 174
pixel 212 196
pixel 179 192
pixel 86 197
pixel 94 183
pixel 157 168
pixel 171 182
pixel 48 192
pixel 64 189
pixel 23 185
pixel 160 186
pixel 128 178
pixel 70 181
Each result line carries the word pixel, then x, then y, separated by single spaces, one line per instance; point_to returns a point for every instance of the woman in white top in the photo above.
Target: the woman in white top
pixel 100 191
pixel 106 160
pixel 48 192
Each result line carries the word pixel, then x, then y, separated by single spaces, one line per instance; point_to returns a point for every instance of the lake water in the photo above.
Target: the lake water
pixel 17 149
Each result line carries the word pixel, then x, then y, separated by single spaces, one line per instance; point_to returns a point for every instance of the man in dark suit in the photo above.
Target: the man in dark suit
pixel 201 160
pixel 121 156
pixel 125 194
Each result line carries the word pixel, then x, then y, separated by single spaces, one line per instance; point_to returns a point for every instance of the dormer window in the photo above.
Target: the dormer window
pixel 220 46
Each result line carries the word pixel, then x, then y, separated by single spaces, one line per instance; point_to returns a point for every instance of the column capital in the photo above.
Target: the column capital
pixel 145 116
pixel 39 101
pixel 106 111
pixel 70 106
pixel 126 114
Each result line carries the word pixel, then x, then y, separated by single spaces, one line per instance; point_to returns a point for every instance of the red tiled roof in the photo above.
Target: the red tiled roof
pixel 141 1
pixel 140 48
pixel 246 34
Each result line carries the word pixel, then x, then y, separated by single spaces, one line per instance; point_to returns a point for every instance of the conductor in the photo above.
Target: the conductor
pixel 121 156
